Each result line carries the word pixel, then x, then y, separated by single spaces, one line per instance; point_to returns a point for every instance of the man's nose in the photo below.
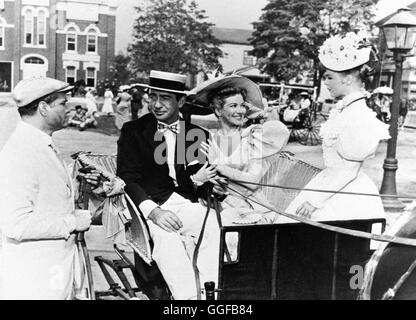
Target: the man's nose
pixel 157 103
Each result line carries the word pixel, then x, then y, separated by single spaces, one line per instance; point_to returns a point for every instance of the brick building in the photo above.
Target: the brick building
pixel 64 39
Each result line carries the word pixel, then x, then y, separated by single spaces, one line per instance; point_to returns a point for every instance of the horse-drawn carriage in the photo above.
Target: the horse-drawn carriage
pixel 303 122
pixel 279 261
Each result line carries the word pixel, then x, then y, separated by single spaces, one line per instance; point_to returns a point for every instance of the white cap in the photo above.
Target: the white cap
pixel 32 89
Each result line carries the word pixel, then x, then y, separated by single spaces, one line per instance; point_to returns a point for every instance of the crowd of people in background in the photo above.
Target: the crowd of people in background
pixel 381 104
pixel 130 103
pixel 292 104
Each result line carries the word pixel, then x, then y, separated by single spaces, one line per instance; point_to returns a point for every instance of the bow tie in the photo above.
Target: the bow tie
pixel 162 127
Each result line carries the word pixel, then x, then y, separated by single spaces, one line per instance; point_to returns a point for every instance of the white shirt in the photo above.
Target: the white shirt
pixel 147 206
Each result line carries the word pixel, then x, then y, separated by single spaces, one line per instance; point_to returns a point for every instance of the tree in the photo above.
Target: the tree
pixel 119 73
pixel 172 35
pixel 288 36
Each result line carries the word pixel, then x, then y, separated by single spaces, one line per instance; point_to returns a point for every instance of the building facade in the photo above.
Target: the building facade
pixel 236 47
pixel 68 40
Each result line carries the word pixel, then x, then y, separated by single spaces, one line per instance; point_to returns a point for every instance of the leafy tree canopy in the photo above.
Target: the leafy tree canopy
pixel 289 33
pixel 173 36
pixel 119 73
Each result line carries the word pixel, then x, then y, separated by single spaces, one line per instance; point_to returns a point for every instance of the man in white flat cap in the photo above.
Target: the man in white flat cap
pixel 38 220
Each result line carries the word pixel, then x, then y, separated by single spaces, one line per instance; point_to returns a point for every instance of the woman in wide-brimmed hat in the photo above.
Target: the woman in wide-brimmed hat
pixel 238 149
pixel 350 136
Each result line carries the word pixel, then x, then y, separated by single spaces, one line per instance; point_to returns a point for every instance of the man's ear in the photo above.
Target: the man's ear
pixel 43 108
pixel 181 102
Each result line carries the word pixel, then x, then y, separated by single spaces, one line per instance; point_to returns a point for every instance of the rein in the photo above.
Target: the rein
pixel 391 293
pixel 198 245
pixel 218 210
pixel 240 182
pixel 349 232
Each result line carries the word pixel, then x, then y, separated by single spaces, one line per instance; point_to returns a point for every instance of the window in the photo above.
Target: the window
pixel 71 40
pixel 248 60
pixel 91 75
pixel 70 74
pixel 41 28
pixel 34 60
pixel 92 41
pixel 28 26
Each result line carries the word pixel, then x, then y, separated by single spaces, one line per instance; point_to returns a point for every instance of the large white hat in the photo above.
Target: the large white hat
pixel 32 89
pixel 342 53
pixel 200 94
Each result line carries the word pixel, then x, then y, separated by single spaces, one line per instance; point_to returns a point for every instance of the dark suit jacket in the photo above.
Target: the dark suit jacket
pixel 145 178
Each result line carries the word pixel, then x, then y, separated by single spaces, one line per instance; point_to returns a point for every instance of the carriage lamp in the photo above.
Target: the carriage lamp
pixel 400 35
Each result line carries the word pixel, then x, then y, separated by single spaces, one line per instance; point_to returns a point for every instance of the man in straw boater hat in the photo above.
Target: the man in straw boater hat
pixel 38 220
pixel 164 177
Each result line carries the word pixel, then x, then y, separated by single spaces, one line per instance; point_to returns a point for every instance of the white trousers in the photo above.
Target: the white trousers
pixel 173 251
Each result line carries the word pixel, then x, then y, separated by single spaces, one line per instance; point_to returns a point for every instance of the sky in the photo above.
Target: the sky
pixel 237 14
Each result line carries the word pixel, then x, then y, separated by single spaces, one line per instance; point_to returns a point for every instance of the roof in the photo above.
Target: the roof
pixel 411 6
pixel 234 36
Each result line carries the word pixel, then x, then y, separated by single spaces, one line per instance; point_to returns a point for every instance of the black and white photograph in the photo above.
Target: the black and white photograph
pixel 226 151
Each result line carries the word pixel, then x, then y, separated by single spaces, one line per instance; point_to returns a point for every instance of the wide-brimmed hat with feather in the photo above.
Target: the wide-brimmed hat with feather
pixel 201 94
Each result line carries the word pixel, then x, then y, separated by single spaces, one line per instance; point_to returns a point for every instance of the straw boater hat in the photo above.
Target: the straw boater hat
pixel 342 53
pixel 124 87
pixel 165 81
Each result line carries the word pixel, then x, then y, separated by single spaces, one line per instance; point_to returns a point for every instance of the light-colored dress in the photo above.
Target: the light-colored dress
pixel 350 136
pixel 108 102
pixel 245 163
pixel 91 103
pixel 123 109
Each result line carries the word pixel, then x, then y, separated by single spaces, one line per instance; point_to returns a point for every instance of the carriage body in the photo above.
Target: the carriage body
pixel 295 261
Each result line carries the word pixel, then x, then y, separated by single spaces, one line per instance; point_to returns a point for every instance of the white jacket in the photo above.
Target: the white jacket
pixel 38 254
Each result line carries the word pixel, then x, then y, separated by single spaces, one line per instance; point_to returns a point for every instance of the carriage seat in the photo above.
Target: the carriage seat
pixel 283 169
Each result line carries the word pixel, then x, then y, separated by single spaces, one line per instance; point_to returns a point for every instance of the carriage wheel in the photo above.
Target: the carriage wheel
pixel 308 135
